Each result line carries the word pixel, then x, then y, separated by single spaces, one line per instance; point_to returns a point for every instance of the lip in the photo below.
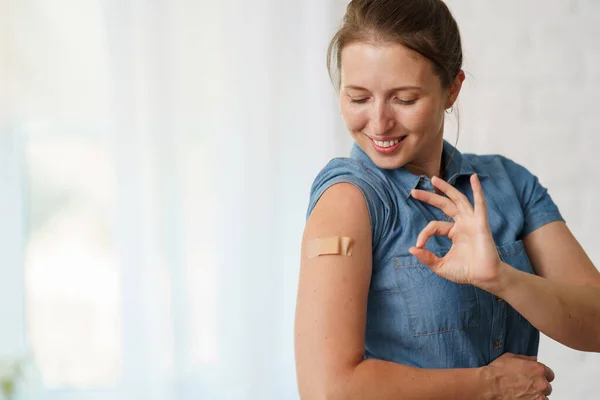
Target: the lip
pixel 387 150
pixel 386 138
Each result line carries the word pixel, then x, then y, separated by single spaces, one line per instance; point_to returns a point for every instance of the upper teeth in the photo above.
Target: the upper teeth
pixel 386 143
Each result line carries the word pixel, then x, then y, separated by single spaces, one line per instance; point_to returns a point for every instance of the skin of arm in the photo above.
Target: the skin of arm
pixel 563 301
pixel 330 320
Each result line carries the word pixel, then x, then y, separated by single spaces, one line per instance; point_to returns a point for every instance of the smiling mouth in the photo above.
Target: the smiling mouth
pixel 387 146
pixel 388 143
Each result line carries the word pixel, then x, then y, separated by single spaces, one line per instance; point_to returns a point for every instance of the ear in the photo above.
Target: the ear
pixel 454 89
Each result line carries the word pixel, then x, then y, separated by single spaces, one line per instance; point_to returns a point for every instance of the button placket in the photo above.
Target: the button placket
pixel 498 328
pixel 425 184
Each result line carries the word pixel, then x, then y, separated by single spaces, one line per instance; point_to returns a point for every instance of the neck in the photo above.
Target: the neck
pixel 429 164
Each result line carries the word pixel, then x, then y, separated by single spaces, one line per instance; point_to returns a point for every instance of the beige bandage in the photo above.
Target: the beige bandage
pixel 335 245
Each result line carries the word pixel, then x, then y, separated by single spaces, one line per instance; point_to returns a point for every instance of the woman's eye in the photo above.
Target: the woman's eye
pixel 400 101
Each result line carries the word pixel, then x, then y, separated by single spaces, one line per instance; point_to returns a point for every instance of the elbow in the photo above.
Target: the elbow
pixel 586 343
pixel 325 394
pixel 594 346
pixel 339 391
pixel 597 349
pixel 335 388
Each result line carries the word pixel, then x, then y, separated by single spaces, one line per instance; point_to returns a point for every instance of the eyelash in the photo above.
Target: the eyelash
pixel 402 102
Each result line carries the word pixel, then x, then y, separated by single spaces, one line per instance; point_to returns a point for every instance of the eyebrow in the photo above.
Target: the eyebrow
pixel 391 90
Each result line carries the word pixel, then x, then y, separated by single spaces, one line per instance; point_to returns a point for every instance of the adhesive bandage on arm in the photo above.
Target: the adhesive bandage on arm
pixel 335 245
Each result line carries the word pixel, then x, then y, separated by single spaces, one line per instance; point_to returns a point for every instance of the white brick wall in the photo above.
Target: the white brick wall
pixel 533 94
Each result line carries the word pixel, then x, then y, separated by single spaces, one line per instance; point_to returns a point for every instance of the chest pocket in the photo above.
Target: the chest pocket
pixel 434 304
pixel 514 254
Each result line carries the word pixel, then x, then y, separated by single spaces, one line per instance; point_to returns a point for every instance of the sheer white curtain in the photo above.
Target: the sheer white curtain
pixel 156 162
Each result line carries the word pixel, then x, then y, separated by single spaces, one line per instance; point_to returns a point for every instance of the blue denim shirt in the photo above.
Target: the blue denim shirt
pixel 414 316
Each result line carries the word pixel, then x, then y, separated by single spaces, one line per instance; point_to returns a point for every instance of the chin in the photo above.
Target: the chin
pixel 387 163
pixel 392 161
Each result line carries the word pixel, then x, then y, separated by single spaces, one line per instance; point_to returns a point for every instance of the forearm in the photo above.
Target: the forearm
pixel 378 379
pixel 569 314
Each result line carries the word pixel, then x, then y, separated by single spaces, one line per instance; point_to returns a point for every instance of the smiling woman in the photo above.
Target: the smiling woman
pixel 394 115
pixel 450 283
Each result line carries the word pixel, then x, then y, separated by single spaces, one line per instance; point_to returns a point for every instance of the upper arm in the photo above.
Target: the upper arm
pixel 555 254
pixel 332 292
pixel 552 249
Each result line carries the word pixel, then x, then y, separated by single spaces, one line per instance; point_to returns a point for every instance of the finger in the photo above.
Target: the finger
pixel 426 257
pixel 549 373
pixel 548 391
pixel 461 201
pixel 478 197
pixel 441 202
pixel 433 228
pixel 524 357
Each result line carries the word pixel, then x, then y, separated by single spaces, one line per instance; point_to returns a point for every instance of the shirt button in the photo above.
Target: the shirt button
pixel 498 299
pixel 497 344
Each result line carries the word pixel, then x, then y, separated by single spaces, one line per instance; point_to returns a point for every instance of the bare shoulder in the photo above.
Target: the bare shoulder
pixel 344 206
pixel 332 292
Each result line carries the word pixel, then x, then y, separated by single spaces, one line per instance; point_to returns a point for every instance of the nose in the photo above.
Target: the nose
pixel 382 119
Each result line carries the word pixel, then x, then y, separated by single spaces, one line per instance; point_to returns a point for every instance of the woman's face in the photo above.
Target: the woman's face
pixel 393 105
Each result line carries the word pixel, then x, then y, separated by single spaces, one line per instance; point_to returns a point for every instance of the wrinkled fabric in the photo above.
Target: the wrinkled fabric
pixel 414 316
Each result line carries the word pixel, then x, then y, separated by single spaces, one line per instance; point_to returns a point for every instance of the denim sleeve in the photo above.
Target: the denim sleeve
pixel 372 188
pixel 538 207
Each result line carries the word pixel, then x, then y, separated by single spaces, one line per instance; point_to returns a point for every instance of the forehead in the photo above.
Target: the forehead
pixel 381 66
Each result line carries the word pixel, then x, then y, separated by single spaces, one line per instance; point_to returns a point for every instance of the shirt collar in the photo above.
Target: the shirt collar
pixel 457 167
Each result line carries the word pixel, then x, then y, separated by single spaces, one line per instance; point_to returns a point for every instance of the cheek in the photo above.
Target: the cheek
pixel 354 119
pixel 422 118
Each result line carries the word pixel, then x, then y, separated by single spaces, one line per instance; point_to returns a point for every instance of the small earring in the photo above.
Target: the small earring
pixel 449 110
